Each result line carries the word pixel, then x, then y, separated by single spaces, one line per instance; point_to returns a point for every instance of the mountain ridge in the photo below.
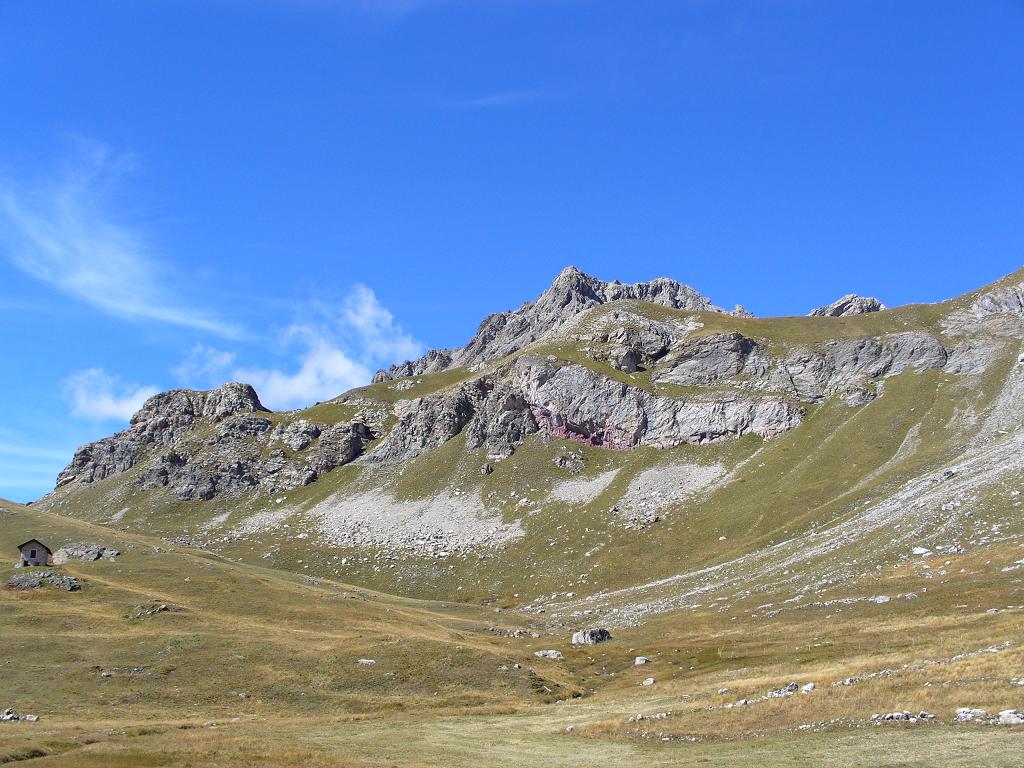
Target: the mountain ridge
pixel 572 292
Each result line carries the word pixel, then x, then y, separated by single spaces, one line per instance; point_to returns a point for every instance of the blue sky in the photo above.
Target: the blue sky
pixel 296 192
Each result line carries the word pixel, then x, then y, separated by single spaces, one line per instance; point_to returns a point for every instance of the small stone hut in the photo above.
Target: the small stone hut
pixel 34 552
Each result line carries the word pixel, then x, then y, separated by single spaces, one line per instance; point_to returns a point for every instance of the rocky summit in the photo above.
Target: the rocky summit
pixel 850 304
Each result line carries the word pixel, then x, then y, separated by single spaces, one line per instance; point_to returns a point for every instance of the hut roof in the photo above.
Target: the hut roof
pixel 37 541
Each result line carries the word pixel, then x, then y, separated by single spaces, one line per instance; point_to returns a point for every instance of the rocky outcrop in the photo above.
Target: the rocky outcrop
pixel 239 450
pixel 572 293
pixel 577 403
pixel 572 401
pixel 160 421
pixel 232 462
pixel 83 551
pixel 427 422
pixel 707 359
pixel 499 410
pixel 500 423
pixel 811 374
pixel 844 365
pixel 633 349
pixel 850 304
pixel 434 361
pixel 1003 300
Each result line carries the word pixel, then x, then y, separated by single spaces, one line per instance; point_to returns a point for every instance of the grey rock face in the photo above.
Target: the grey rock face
pixel 843 366
pixel 1008 300
pixel 636 348
pixel 707 359
pixel 231 465
pixel 850 304
pixel 500 423
pixel 161 419
pixel 427 422
pixel 571 293
pixel 575 402
pixel 163 439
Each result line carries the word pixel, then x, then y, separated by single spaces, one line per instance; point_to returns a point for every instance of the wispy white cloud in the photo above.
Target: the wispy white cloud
pixel 379 337
pixel 204 365
pixel 503 99
pixel 63 234
pixel 385 7
pixel 26 468
pixel 339 348
pixel 8 449
pixel 324 371
pixel 95 395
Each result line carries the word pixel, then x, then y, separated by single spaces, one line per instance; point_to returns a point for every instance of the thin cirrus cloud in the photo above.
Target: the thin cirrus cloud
pixel 27 468
pixel 503 99
pixel 338 350
pixel 62 234
pixel 95 395
pixel 203 365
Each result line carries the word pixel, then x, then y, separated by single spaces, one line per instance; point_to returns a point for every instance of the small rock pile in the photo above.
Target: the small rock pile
pixel 1006 717
pixel 779 693
pixel 143 610
pixel 903 717
pixel 39 579
pixel 549 654
pixel 10 716
pixel 655 716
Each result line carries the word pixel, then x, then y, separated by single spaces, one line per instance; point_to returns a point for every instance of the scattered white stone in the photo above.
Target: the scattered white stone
pixel 644 660
pixel 366 662
pixel 549 654
pixel 789 690
pixel 967 715
pixel 648 681
pixel 902 717
pixel 1010 717
pixel 807 688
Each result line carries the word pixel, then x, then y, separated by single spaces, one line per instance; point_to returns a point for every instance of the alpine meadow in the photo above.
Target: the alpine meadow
pixel 270 501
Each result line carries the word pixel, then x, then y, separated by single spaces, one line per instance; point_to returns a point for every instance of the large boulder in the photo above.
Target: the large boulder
pixel 591 636
pixel 850 304
pixel 83 551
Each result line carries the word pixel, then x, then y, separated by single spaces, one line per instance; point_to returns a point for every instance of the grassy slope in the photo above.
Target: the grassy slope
pixel 290 646
pixel 288 642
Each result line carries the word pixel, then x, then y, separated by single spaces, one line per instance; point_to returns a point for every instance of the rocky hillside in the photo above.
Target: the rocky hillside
pixel 599 422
